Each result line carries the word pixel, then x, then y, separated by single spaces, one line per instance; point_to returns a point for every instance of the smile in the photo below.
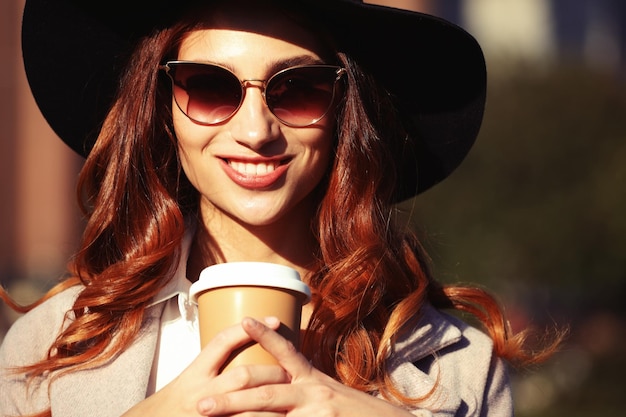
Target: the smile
pixel 253 169
pixel 255 174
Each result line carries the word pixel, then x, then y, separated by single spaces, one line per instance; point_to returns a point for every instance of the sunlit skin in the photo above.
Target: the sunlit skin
pixel 255 175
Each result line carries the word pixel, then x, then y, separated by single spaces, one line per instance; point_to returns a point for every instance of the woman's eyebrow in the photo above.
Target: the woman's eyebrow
pixel 280 64
pixel 274 65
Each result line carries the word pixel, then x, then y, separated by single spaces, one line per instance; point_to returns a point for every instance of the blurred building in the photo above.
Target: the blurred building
pixel 546 31
pixel 592 29
pixel 512 29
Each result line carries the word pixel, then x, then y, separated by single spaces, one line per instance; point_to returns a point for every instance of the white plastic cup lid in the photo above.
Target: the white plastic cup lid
pixel 256 274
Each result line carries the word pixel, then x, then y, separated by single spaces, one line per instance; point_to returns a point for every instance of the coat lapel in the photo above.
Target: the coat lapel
pixel 432 333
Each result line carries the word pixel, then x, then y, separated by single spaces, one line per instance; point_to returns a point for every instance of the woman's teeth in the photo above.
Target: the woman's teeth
pixel 253 169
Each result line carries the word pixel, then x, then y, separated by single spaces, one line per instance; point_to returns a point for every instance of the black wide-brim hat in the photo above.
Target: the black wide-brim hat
pixel 74 51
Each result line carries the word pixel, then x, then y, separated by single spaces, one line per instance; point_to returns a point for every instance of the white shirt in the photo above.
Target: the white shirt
pixel 178 343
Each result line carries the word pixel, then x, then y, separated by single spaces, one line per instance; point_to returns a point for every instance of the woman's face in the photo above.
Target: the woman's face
pixel 251 167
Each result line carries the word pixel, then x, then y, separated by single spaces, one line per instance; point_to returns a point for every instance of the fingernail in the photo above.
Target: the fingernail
pixel 271 321
pixel 249 321
pixel 206 405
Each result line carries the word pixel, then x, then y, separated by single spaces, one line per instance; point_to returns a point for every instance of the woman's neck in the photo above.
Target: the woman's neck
pixel 220 238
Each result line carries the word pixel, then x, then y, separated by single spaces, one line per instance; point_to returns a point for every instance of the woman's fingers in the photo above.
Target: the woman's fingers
pixel 283 350
pixel 250 387
pixel 249 376
pixel 305 391
pixel 260 399
pixel 217 351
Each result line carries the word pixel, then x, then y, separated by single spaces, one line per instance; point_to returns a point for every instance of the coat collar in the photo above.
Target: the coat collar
pixel 179 284
pixel 433 332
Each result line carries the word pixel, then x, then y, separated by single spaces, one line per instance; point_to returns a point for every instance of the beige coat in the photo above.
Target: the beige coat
pixel 440 350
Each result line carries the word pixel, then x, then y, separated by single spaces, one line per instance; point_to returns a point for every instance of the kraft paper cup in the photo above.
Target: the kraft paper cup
pixel 228 292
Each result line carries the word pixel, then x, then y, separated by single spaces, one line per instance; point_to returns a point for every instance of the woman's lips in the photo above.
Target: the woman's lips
pixel 254 174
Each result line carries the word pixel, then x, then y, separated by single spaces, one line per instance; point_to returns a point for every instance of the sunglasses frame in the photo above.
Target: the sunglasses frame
pixel 169 66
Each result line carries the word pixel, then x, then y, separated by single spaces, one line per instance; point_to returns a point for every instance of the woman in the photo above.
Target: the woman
pixel 276 131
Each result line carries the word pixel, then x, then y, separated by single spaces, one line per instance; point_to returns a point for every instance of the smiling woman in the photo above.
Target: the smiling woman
pixel 222 158
pixel 268 131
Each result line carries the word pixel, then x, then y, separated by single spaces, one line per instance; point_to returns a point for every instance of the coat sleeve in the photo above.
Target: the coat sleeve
pixel 26 343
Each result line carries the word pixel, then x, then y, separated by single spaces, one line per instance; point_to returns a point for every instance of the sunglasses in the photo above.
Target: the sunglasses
pixel 210 94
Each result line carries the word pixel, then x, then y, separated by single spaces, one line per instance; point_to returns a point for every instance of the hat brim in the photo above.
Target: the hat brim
pixel 434 70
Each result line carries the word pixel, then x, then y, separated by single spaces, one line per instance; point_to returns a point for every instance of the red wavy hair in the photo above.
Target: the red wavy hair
pixel 373 277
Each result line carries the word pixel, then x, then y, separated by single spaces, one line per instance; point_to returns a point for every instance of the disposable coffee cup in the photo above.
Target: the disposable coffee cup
pixel 226 293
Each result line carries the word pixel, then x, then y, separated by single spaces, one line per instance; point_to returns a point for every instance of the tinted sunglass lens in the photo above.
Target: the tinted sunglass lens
pixel 301 96
pixel 207 94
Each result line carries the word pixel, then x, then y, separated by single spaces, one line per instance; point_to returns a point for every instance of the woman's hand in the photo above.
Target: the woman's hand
pixel 201 379
pixel 309 392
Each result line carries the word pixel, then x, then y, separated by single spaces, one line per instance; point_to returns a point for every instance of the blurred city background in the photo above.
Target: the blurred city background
pixel 537 213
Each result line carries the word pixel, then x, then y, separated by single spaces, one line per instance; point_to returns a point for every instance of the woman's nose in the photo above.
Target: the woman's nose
pixel 254 125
